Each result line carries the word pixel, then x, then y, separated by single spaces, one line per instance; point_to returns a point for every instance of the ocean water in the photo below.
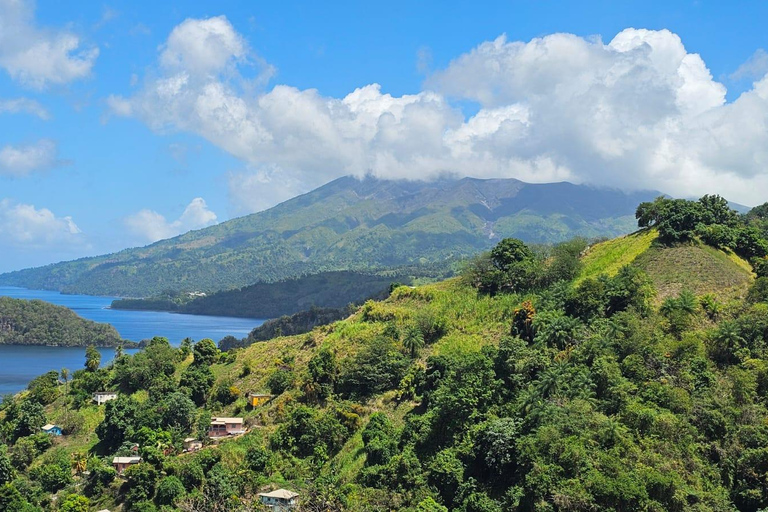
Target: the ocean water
pixel 20 364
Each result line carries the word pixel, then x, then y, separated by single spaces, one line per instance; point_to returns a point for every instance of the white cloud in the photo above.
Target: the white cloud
pixel 25 105
pixel 152 226
pixel 25 226
pixel 39 57
pixel 18 161
pixel 638 112
pixel 755 68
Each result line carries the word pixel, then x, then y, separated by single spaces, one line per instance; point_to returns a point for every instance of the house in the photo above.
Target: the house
pixel 101 397
pixel 192 445
pixel 52 429
pixel 221 427
pixel 280 499
pixel 121 463
pixel 256 399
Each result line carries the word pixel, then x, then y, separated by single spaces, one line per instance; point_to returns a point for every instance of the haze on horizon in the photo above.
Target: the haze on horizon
pixel 125 123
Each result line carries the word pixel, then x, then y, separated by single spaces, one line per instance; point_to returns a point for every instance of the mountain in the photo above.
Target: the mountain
pixel 24 322
pixel 348 224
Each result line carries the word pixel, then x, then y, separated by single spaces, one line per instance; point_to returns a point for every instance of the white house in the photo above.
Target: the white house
pixel 280 499
pixel 101 397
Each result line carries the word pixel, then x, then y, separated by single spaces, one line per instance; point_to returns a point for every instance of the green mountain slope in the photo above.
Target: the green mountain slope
pixel 348 224
pixel 438 398
pixel 35 322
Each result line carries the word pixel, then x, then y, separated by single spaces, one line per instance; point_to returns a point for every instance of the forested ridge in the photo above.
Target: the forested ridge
pixel 34 322
pixel 542 379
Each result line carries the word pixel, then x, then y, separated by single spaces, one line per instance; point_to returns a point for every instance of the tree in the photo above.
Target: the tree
pixel 185 349
pixel 206 353
pixel 92 358
pixel 6 468
pixel 413 341
pixel 118 424
pixel 508 252
pixel 178 411
pixel 142 479
pixel 30 419
pixel 197 381
pixel 65 378
pixel 169 491
pixel 75 503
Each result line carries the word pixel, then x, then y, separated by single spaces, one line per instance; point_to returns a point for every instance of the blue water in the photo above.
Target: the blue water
pixel 20 364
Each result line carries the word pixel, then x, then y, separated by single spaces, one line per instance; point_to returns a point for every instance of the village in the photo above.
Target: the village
pixel 220 429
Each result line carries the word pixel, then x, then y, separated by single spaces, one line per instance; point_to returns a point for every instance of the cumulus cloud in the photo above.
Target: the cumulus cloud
pixel 40 57
pixel 19 161
pixel 637 112
pixel 24 105
pixel 152 226
pixel 23 225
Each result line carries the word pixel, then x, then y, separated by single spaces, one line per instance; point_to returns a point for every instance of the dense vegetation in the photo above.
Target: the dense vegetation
pixel 532 383
pixel 347 224
pixel 271 300
pixel 24 322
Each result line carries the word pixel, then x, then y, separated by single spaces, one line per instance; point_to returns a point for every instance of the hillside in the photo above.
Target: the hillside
pixel 508 403
pixel 348 224
pixel 286 297
pixel 35 322
pixel 693 266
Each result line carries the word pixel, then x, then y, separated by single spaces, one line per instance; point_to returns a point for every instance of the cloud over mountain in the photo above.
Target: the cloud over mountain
pixel 637 112
pixel 24 225
pixel 152 226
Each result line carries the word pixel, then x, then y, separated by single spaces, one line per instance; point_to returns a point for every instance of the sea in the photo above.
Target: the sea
pixel 20 364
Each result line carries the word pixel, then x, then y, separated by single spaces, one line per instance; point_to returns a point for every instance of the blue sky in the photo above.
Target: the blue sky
pixel 125 122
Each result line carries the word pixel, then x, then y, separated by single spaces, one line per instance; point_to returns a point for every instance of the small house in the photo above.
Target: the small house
pixel 54 430
pixel 192 445
pixel 101 397
pixel 221 427
pixel 121 463
pixel 257 399
pixel 280 499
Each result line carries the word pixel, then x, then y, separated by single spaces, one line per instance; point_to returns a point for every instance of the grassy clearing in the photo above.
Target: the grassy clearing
pixel 609 256
pixel 698 268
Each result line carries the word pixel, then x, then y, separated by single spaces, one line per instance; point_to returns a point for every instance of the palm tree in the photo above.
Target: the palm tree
pixel 65 378
pixel 413 340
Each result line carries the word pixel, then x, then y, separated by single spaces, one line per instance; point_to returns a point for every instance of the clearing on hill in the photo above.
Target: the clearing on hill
pixel 698 268
pixel 609 256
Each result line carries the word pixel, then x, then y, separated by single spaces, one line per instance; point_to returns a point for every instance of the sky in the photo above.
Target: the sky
pixel 122 123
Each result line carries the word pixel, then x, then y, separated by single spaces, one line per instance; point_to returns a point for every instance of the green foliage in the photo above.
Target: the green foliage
pixel 196 381
pixel 378 366
pixel 280 381
pixel 92 358
pixel 119 422
pixel 178 411
pixel 170 491
pixel 6 468
pixel 75 503
pixel 34 322
pixel 205 352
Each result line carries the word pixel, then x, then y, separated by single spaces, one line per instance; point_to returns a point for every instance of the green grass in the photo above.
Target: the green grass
pixel 697 268
pixel 609 256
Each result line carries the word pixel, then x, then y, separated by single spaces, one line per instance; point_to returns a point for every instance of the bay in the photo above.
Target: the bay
pixel 20 364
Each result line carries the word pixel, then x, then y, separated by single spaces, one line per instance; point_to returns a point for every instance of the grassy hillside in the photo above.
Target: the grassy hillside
pixel 692 266
pixel 35 322
pixel 697 268
pixel 348 224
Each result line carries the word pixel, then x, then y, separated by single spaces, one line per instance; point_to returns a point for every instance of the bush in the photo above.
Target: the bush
pixel 169 491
